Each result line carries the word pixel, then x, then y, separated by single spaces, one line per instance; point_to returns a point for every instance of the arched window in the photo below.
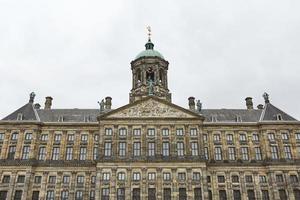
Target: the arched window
pixel 161 75
pixel 150 74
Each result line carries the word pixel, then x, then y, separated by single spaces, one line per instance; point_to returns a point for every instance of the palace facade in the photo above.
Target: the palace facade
pixel 150 148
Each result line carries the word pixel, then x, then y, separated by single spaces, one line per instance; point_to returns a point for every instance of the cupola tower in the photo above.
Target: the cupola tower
pixel 149 74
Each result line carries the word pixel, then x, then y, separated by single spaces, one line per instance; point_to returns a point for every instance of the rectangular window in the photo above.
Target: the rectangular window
pixel 107 149
pixel 265 195
pixel 18 195
pixel 222 195
pixel 37 179
pixel 218 153
pixel 83 153
pixel 180 149
pixel 251 194
pixel 136 194
pixel 217 138
pixel 248 179
pixel 151 194
pixel 231 153
pixel 179 132
pixel 70 137
pixel 271 137
pixel 93 180
pixel 165 132
pixel 21 179
pixel 121 176
pixel 284 136
pixel 195 151
pixel 279 178
pixel 166 149
pixel 258 155
pixel 55 153
pixel 244 152
pixel 229 138
pixel 182 194
pixel 52 180
pixel 44 137
pixel 80 179
pixel 151 132
pixel 2 136
pixel 25 153
pixel 96 137
pixel 243 138
pixel 69 153
pixel 92 194
pixel 181 176
pixel 293 178
pixel 136 149
pixel 255 137
pixel 84 138
pixel 36 194
pixel 79 195
pixel 122 149
pixel 274 152
pixel 167 176
pixel 196 176
pixel 121 194
pixel 197 194
pixel 297 136
pixel 66 179
pixel 108 131
pixel 95 153
pixel 287 152
pixel 151 176
pixel 57 137
pixel 136 132
pixel 64 195
pixel 205 137
pixel 6 179
pixel 237 195
pixel 106 176
pixel 136 176
pixel 11 152
pixel 235 179
pixel 28 136
pixel 193 132
pixel 15 136
pixel 221 179
pixel 167 194
pixel 206 155
pixel 151 149
pixel 50 195
pixel 105 194
pixel 42 153
pixel 282 195
pixel 262 179
pixel 122 132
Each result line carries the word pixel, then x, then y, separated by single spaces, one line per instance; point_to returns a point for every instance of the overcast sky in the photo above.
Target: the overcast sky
pixel 78 52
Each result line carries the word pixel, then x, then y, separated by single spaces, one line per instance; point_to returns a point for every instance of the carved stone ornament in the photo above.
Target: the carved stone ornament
pixel 150 108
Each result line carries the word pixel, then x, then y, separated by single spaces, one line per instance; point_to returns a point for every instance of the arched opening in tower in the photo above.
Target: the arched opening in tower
pixel 161 76
pixel 150 74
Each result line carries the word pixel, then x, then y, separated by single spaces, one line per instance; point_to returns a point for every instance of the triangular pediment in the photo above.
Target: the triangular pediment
pixel 151 107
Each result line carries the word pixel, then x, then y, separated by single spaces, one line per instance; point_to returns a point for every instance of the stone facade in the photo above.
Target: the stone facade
pixel 149 149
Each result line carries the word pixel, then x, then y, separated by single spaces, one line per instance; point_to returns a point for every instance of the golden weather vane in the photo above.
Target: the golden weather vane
pixel 149 32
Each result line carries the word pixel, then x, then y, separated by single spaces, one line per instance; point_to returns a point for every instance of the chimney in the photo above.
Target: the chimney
pixel 108 103
pixel 260 106
pixel 249 103
pixel 191 103
pixel 37 106
pixel 48 103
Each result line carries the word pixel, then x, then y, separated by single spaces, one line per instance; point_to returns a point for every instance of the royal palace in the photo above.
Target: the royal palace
pixel 150 148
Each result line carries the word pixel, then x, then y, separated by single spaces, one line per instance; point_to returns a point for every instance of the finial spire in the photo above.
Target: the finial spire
pixel 266 97
pixel 31 97
pixel 149 33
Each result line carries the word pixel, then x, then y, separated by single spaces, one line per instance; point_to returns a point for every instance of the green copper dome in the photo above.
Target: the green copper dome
pixel 149 52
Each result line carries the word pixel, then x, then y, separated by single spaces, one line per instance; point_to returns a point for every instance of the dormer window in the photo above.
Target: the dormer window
pixel 60 118
pixel 214 118
pixel 279 117
pixel 238 118
pixel 86 118
pixel 20 116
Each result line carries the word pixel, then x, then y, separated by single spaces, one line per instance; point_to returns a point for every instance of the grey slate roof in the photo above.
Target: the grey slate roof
pixel 231 115
pixel 28 112
pixel 69 115
pixel 269 113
